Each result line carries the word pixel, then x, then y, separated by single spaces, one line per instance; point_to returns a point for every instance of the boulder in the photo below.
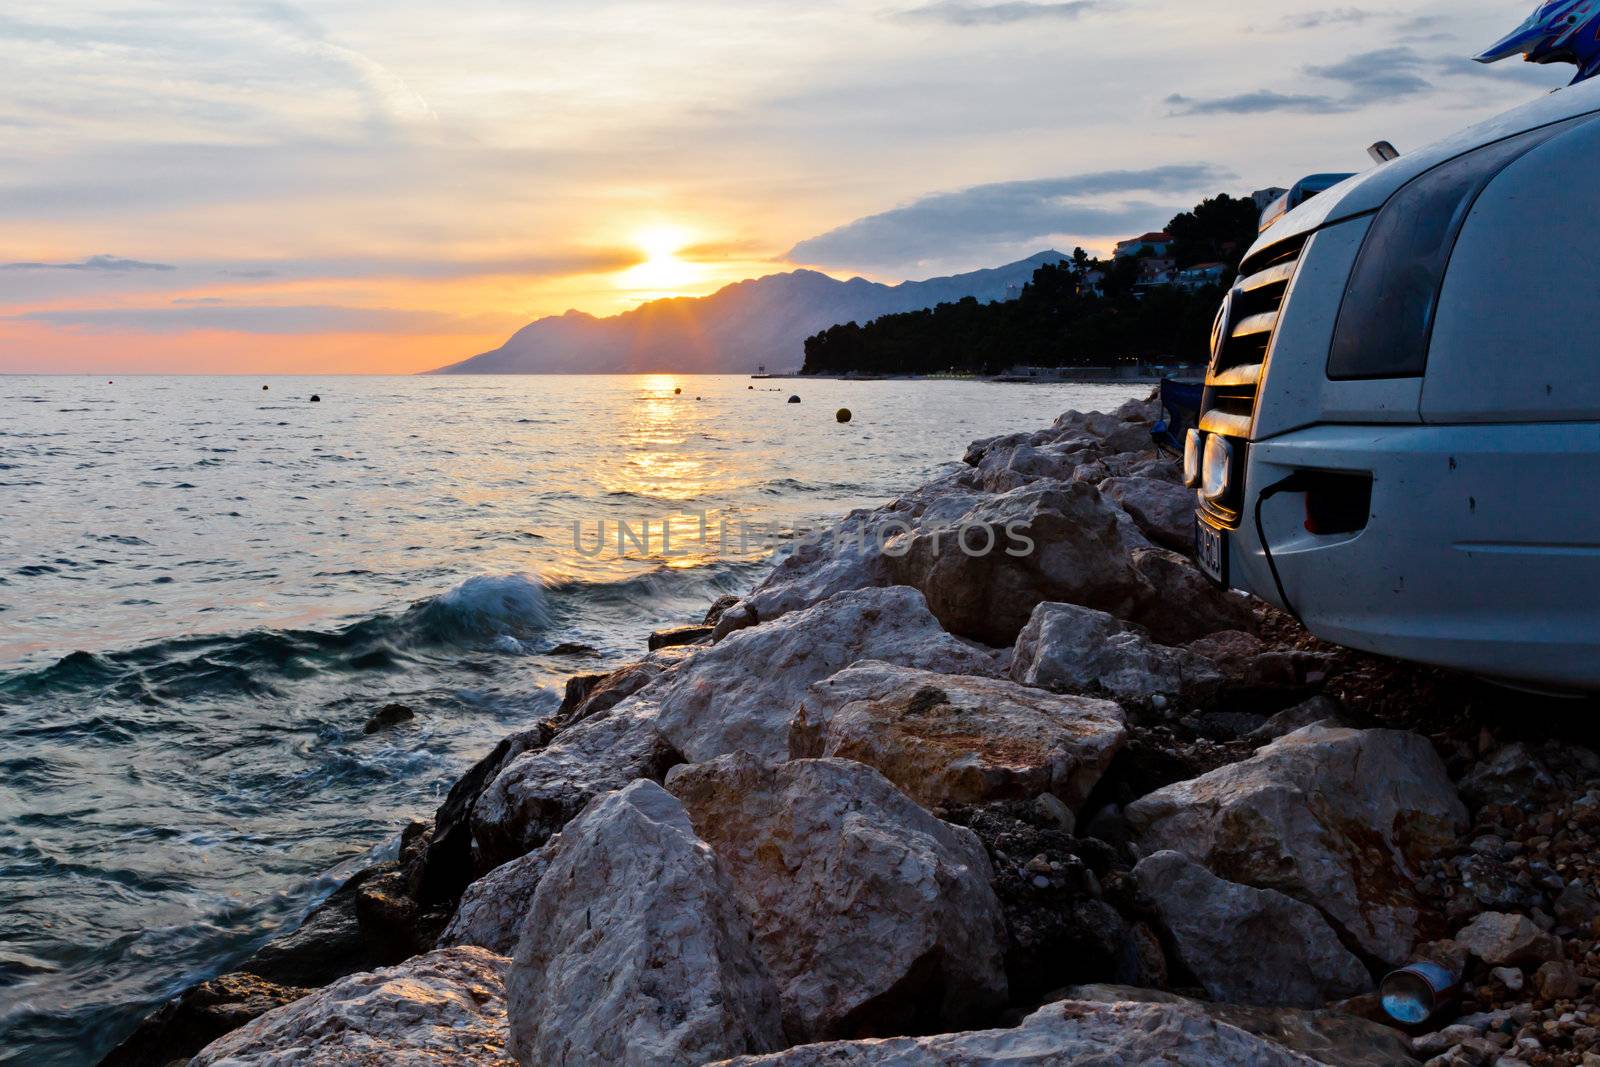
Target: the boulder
pixel 1247 662
pixel 1341 819
pixel 1328 1036
pixel 1558 980
pixel 184 1025
pixel 1244 945
pixel 491 909
pixel 958 739
pixel 1163 510
pixel 604 692
pixel 680 635
pixel 1077 649
pixel 1066 1032
pixel 849 555
pixel 1317 709
pixel 985 570
pixel 450 864
pixel 634 950
pixel 1501 940
pixel 447 1007
pixel 1012 467
pixel 741 693
pixel 537 793
pixel 873 916
pixel 1185 604
pixel 1510 774
pixel 388 716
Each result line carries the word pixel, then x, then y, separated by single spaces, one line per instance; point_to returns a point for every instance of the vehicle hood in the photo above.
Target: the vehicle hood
pixel 1371 189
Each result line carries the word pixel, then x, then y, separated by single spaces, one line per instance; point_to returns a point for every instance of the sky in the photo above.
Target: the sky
pixel 340 187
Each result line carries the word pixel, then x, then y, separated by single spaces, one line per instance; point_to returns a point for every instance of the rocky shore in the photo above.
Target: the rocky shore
pixel 911 803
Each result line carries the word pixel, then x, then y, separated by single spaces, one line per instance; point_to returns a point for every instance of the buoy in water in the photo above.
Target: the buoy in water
pixel 263 388
pixel 677 392
pixel 794 400
pixel 751 388
pixel 315 399
pixel 842 415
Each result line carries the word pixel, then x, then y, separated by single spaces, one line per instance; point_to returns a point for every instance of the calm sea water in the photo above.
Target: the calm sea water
pixel 206 588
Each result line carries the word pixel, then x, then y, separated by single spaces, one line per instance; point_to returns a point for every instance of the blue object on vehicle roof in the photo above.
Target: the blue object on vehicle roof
pixel 1558 31
pixel 1181 402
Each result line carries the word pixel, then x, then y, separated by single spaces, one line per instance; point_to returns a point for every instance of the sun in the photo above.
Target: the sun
pixel 664 271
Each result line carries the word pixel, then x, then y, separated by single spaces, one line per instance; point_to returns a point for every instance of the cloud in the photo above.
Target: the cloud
pixel 964 223
pixel 962 13
pixel 1384 74
pixel 261 319
pixel 1255 103
pixel 1368 77
pixel 109 264
pixel 1337 16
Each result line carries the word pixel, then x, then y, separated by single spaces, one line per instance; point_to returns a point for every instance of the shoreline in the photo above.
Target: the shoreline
pixel 1108 711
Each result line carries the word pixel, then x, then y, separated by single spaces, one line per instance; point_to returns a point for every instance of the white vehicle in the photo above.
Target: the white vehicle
pixel 1399 441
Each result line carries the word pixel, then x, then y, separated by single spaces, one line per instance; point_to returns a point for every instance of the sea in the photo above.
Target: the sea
pixel 208 584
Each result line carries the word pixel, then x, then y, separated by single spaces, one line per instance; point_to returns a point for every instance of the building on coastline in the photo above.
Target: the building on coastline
pixel 1155 244
pixel 1201 275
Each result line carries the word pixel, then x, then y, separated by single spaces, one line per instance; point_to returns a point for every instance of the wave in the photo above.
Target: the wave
pixel 506 614
pixel 503 613
pixel 500 610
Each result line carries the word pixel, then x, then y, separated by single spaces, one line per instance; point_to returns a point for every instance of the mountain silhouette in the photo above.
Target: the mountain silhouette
pixel 736 330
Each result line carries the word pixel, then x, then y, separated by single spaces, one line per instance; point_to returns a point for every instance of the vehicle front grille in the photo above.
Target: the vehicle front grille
pixel 1240 341
pixel 1243 335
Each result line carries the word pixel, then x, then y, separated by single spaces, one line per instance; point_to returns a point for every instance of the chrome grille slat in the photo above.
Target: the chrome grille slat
pixel 1241 341
pixel 1275 275
pixel 1256 324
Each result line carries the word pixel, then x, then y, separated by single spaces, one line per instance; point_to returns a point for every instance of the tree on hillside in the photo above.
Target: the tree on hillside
pixel 1218 230
pixel 1055 321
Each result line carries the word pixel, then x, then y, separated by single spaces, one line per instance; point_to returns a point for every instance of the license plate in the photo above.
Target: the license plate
pixel 1211 552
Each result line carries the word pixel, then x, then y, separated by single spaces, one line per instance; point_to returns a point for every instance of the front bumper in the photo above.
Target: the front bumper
pixel 1482 550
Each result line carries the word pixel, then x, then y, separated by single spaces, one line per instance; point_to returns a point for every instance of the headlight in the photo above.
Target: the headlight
pixel 1216 477
pixel 1191 458
pixel 1386 321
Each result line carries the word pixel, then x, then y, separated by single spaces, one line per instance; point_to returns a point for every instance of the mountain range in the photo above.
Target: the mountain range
pixel 739 329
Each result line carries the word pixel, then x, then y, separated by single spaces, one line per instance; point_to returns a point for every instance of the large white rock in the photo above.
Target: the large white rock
pixel 849 555
pixel 1080 650
pixel 537 793
pixel 634 951
pixel 741 693
pixel 958 738
pixel 1340 819
pixel 985 570
pixel 1244 945
pixel 1067 1032
pixel 491 909
pixel 444 1009
pixel 873 916
pixel 1163 510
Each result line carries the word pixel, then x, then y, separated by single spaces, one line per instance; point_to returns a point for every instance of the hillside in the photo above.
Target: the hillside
pixel 738 329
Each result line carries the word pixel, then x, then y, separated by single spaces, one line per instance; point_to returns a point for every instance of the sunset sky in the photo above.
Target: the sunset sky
pixel 336 186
